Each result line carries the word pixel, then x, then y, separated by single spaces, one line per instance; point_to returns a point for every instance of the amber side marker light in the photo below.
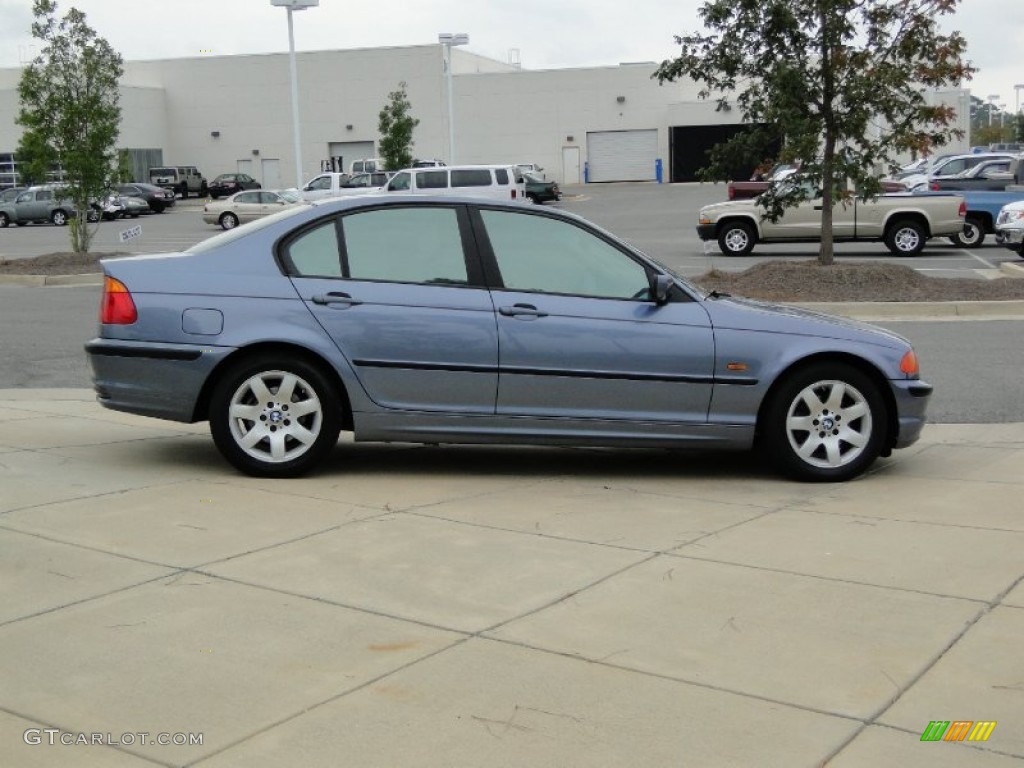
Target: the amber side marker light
pixel 117 306
pixel 908 364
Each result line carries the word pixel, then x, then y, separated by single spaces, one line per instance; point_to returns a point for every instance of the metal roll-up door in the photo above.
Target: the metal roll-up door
pixel 622 155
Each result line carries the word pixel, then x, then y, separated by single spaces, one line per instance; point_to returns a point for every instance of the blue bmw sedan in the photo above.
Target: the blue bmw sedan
pixel 470 321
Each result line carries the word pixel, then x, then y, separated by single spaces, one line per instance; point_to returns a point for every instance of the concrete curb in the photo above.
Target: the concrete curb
pixel 93 278
pixel 1012 269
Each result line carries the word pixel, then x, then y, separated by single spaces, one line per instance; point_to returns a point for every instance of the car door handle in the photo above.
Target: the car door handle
pixel 335 297
pixel 522 310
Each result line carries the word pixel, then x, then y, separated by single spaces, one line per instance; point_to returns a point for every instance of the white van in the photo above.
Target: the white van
pixel 500 182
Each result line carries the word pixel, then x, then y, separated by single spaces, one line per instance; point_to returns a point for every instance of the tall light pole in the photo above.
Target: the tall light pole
pixel 448 40
pixel 1017 89
pixel 295 5
pixel 991 103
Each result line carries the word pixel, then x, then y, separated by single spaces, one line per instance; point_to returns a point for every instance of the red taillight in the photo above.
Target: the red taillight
pixel 732 192
pixel 117 306
pixel 963 209
pixel 935 186
pixel 513 194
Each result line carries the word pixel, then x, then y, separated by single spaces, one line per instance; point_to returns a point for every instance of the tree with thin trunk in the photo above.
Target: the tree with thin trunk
pixel 845 82
pixel 69 110
pixel 396 126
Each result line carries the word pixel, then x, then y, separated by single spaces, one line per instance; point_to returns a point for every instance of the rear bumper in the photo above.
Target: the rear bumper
pixel 152 379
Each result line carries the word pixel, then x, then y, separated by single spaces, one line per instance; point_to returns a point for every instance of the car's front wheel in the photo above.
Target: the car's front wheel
pixel 228 220
pixel 736 238
pixel 972 235
pixel 5 220
pixel 274 417
pixel 825 422
pixel 59 217
pixel 906 238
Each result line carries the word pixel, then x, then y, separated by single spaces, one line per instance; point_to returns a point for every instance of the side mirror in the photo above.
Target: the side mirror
pixel 661 288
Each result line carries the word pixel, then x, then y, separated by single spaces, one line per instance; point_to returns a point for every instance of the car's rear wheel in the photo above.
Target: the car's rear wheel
pixel 5 220
pixel 59 217
pixel 736 238
pixel 972 235
pixel 228 220
pixel 905 238
pixel 826 422
pixel 274 417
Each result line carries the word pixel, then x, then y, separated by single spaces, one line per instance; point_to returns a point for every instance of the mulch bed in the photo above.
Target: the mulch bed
pixel 854 281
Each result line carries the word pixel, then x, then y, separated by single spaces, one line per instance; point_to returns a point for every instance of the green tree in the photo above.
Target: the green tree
pixel 396 126
pixel 69 109
pixel 843 80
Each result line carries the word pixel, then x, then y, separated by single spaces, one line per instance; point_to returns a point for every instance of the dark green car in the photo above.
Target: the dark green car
pixel 540 191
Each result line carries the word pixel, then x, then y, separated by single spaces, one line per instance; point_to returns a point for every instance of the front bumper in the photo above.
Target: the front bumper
pixel 1012 238
pixel 912 396
pixel 706 231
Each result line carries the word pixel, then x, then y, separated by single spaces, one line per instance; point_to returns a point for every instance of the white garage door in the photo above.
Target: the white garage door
pixel 622 155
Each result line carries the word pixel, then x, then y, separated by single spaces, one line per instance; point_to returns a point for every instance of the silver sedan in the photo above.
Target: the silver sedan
pixel 469 321
pixel 248 205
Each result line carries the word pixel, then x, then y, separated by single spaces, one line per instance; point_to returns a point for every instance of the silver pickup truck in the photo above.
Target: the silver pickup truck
pixel 902 221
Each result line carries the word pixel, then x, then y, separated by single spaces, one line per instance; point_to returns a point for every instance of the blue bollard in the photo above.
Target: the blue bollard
pixel 657 170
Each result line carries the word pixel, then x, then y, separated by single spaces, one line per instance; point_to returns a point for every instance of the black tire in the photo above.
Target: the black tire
pixel 203 189
pixel 228 220
pixel 184 191
pixel 5 220
pixel 302 441
pixel 905 238
pixel 157 207
pixel 972 236
pixel 827 450
pixel 59 217
pixel 736 238
pixel 533 198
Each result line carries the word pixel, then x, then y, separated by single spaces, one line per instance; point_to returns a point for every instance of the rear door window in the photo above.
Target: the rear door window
pixel 405 245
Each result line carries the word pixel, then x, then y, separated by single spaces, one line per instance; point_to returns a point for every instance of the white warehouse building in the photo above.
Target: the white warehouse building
pixel 233 114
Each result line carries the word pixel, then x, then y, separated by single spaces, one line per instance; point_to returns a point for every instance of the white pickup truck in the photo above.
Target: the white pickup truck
pixel 342 184
pixel 902 221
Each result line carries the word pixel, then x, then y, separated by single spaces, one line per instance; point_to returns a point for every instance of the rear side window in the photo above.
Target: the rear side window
pixel 501 176
pixel 472 178
pixel 432 180
pixel 405 245
pixel 315 252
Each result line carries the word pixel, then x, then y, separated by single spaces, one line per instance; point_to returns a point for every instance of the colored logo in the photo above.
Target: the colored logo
pixel 958 730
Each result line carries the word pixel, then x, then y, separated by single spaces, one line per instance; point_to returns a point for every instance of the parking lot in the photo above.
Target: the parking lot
pixel 661 220
pixel 467 606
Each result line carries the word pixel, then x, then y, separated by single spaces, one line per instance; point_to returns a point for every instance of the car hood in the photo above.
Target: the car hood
pixel 738 313
pixel 747 204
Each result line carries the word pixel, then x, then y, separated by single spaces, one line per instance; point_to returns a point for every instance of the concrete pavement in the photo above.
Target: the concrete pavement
pixel 436 606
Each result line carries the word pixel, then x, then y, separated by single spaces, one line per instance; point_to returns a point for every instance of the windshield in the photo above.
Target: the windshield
pixel 231 235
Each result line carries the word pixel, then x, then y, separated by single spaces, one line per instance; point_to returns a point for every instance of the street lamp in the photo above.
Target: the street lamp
pixel 295 5
pixel 1017 89
pixel 992 102
pixel 448 40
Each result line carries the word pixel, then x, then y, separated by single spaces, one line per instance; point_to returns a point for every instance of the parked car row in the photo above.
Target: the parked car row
pixel 47 203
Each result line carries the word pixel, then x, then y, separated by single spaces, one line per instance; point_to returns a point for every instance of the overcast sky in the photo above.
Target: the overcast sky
pixel 547 33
